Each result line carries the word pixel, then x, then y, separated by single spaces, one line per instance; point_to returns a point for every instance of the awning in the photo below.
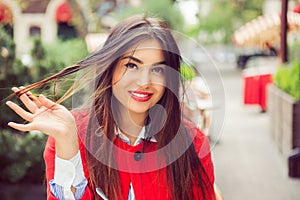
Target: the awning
pixel 264 30
pixel 63 13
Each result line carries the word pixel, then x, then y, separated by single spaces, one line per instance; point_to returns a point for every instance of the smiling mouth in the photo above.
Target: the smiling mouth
pixel 140 96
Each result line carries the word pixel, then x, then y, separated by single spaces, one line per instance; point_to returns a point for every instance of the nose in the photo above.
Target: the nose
pixel 144 78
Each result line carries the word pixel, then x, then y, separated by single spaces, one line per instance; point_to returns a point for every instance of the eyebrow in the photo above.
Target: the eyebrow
pixel 141 62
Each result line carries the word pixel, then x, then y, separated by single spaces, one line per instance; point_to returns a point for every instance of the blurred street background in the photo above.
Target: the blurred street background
pixel 238 48
pixel 248 164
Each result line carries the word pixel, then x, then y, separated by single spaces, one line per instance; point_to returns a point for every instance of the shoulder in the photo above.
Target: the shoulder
pixel 202 148
pixel 194 131
pixel 200 140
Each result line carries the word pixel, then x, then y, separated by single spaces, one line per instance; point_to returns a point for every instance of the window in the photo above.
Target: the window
pixel 34 31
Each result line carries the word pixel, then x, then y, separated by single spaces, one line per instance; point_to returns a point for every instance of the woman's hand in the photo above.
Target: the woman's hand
pixel 50 118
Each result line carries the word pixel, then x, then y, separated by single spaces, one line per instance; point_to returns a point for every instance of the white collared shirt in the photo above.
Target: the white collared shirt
pixel 138 140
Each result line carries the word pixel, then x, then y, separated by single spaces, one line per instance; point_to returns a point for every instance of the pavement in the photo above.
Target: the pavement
pixel 248 164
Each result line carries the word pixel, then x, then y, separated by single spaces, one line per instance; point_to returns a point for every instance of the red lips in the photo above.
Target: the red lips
pixel 140 96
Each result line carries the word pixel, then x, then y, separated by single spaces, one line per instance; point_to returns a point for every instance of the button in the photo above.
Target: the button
pixel 137 156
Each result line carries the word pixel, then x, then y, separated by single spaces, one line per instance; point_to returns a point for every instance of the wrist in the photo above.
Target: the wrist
pixel 67 146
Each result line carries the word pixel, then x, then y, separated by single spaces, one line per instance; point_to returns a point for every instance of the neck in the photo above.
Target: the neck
pixel 132 138
pixel 131 123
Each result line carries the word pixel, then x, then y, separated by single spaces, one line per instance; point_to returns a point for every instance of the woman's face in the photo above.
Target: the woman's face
pixel 139 78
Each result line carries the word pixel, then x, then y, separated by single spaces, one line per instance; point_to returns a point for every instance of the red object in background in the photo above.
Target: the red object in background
pixel 251 92
pixel 2 12
pixel 6 16
pixel 63 13
pixel 255 85
pixel 297 8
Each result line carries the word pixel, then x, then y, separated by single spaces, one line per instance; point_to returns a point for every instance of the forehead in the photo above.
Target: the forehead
pixel 148 51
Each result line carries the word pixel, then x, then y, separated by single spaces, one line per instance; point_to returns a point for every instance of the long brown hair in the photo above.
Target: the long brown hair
pixel 184 172
pixel 181 173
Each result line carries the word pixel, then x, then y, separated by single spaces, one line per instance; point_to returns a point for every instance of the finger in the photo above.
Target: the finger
pixel 21 127
pixel 32 98
pixel 20 111
pixel 47 103
pixel 30 105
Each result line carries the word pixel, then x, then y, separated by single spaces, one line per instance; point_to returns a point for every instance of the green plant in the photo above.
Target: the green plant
pixel 12 73
pixel 294 50
pixel 50 58
pixel 187 72
pixel 21 157
pixel 166 10
pixel 287 79
pixel 225 16
pixel 65 53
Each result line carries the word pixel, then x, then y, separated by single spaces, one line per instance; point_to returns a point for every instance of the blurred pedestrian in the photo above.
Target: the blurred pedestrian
pixel 272 51
pixel 198 103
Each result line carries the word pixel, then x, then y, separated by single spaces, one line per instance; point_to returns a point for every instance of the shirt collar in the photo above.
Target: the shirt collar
pixel 139 139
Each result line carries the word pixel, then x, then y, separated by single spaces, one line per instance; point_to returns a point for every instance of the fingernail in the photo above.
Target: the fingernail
pixel 8 103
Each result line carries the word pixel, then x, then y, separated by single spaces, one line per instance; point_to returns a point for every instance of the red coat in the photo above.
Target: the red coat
pixel 146 185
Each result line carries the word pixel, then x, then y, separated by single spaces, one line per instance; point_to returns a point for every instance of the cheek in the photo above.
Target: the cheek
pixel 122 81
pixel 117 75
pixel 116 82
pixel 117 86
pixel 159 81
pixel 160 89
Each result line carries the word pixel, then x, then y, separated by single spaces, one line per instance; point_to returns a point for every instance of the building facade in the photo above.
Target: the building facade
pixel 31 18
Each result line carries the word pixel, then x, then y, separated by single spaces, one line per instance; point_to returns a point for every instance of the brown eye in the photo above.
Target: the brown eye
pixel 131 66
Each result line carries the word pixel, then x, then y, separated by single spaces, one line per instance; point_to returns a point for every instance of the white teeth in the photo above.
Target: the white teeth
pixel 139 95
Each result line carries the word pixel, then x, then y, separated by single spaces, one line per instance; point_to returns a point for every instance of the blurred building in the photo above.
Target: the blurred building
pixel 25 19
pixel 50 19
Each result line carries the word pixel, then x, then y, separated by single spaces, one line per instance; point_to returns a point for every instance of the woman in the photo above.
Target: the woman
pixel 132 142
